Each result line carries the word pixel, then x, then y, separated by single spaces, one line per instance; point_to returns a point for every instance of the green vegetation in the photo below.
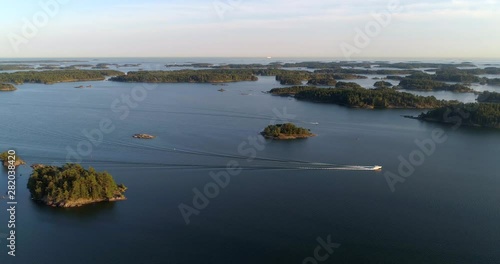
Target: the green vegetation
pixel 382 98
pixel 348 85
pixel 293 77
pixel 187 76
pixel 72 185
pixel 471 114
pixel 369 65
pixel 15 67
pixel 487 70
pixel 323 80
pixel 427 82
pixel 286 131
pixel 49 77
pixel 382 84
pixel 7 87
pixel 489 97
pixel 16 162
pixel 291 90
pixel 495 81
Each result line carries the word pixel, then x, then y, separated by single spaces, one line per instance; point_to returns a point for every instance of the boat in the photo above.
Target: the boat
pixel 81 86
pixel 377 168
pixel 221 90
pixel 314 123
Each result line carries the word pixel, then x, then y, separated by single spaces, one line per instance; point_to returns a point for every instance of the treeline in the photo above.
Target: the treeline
pixel 489 97
pixel 293 77
pixel 287 129
pixel 49 77
pixel 15 67
pixel 188 76
pixel 314 78
pixel 428 82
pixel 471 114
pixel 376 64
pixel 7 87
pixel 381 98
pixel 453 74
pixel 70 183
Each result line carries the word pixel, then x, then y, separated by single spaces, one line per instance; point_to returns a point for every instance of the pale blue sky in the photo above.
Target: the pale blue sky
pixel 250 28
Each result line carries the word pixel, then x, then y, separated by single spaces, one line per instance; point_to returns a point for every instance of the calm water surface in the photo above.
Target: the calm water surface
pixel 447 211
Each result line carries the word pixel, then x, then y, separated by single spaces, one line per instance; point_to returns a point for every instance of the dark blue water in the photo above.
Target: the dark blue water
pixel 273 211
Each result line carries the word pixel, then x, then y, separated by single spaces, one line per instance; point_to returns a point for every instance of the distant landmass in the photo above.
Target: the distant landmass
pixel 56 76
pixel 352 95
pixel 471 114
pixel 187 76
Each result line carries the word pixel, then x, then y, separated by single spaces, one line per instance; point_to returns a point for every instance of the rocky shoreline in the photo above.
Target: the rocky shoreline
pixel 144 136
pixel 80 202
pixel 287 137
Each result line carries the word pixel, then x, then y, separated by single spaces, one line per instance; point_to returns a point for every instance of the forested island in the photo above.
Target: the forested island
pixel 4 157
pixel 286 131
pixel 187 76
pixel 72 186
pixel 381 98
pixel 7 87
pixel 489 97
pixel 15 67
pixel 57 76
pixel 471 114
pixel 427 82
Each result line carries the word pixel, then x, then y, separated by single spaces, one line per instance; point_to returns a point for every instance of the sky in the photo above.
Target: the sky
pixel 250 28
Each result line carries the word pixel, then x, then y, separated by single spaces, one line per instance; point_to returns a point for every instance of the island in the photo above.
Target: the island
pixel 287 131
pixel 470 114
pixel 144 136
pixel 73 186
pixel 489 97
pixel 4 157
pixel 7 87
pixel 57 76
pixel 352 95
pixel 187 76
pixel 427 82
pixel 382 84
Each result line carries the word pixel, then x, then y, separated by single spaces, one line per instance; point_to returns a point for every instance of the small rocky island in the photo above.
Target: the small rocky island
pixel 286 131
pixel 144 136
pixel 7 87
pixel 5 158
pixel 72 186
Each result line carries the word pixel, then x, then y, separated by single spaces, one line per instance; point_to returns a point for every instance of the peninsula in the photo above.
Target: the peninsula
pixel 352 95
pixel 72 186
pixel 471 114
pixel 286 131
